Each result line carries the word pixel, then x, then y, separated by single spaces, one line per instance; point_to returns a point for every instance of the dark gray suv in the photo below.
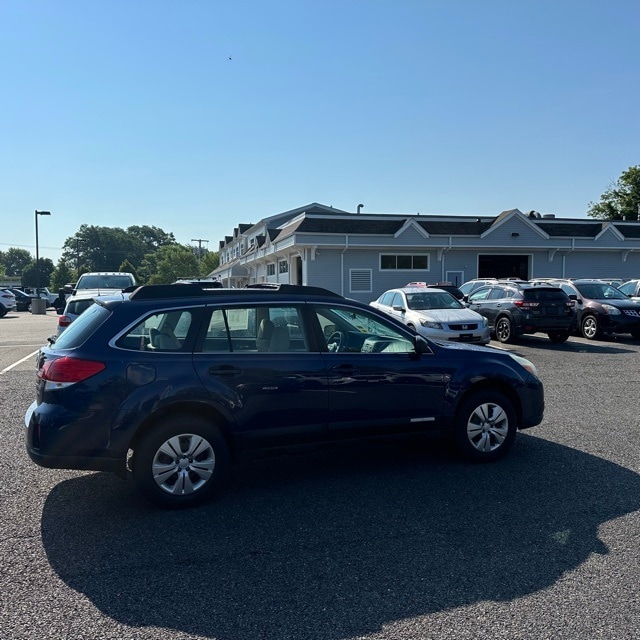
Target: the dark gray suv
pixel 513 309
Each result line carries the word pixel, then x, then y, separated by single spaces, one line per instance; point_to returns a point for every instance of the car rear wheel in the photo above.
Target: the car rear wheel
pixel 485 426
pixel 558 336
pixel 590 327
pixel 504 330
pixel 180 462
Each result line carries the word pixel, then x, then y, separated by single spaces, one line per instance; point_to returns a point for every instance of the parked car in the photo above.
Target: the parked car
pixel 434 314
pixel 515 308
pixel 7 302
pixel 170 383
pixel 472 285
pixel 23 300
pixel 105 281
pixel 631 288
pixel 444 286
pixel 74 306
pixel 43 292
pixel 602 309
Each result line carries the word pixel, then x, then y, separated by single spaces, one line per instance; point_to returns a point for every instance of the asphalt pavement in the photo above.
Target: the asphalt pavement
pixel 401 541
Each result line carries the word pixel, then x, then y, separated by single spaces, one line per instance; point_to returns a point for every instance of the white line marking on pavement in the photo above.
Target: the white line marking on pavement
pixel 15 364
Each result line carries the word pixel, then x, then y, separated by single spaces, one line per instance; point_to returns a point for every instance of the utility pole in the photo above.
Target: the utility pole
pixel 199 241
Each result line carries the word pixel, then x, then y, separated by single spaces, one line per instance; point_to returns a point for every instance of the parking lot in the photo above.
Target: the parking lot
pixel 401 541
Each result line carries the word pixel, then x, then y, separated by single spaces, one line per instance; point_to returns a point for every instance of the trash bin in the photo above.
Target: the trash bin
pixel 38 306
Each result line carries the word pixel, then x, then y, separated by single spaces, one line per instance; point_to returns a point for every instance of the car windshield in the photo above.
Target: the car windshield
pixel 435 300
pixel 104 282
pixel 600 291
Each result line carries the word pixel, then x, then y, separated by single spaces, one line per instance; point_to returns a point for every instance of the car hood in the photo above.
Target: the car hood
pixel 450 315
pixel 621 304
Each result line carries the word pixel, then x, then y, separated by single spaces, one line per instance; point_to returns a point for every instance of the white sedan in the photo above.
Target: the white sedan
pixel 435 314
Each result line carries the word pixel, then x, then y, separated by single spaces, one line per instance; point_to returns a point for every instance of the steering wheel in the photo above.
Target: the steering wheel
pixel 334 343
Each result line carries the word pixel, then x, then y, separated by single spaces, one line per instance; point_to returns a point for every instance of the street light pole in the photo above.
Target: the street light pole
pixel 39 213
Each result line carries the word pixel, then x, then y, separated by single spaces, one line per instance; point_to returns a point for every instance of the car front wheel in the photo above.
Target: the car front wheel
pixel 485 426
pixel 590 328
pixel 180 462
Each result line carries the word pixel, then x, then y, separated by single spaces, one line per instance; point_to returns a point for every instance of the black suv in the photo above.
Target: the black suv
pixel 515 308
pixel 171 383
pixel 602 308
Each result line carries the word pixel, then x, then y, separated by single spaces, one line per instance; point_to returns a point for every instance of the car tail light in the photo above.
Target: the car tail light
pixel 66 370
pixel 526 304
pixel 64 321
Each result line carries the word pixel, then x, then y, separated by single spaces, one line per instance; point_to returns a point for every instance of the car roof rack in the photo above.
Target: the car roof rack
pixel 160 291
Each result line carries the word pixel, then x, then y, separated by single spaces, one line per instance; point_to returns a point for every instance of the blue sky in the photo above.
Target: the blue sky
pixel 131 112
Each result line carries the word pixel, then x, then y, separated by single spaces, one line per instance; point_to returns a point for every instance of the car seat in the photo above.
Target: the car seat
pixel 263 338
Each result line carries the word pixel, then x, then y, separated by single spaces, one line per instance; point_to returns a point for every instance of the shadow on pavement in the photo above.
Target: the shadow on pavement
pixel 336 544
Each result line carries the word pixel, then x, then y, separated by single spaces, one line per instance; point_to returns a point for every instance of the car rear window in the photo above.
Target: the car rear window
pixel 77 332
pixel 76 307
pixel 552 294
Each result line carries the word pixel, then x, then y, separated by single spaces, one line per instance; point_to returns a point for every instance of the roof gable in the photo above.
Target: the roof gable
pixel 519 218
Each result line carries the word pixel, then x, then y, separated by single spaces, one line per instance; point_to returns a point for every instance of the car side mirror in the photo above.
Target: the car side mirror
pixel 421 345
pixel 398 307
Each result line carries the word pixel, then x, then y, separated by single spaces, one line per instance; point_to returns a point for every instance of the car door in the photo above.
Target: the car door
pixel 481 302
pixel 273 382
pixel 377 383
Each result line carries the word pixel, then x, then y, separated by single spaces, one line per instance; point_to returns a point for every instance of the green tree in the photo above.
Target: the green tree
pixel 61 275
pixel 30 278
pixel 127 267
pixel 95 248
pixel 173 262
pixel 210 261
pixel 621 201
pixel 15 260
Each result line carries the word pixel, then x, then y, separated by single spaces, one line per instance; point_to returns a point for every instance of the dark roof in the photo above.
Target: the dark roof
pixel 450 228
pixel 571 229
pixel 353 224
pixel 629 230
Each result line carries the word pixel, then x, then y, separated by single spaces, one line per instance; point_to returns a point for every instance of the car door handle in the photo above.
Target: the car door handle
pixel 345 369
pixel 225 371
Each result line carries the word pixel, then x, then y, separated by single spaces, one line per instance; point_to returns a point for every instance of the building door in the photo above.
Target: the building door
pixel 503 266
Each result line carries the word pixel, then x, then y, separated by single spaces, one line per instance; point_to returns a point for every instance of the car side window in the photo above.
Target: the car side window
pixel 159 332
pixel 497 293
pixel 387 298
pixel 397 300
pixel 256 329
pixel 627 288
pixel 480 294
pixel 356 331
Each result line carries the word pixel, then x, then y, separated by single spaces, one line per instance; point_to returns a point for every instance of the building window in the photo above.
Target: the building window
pixel 283 266
pixel 271 269
pixel 405 262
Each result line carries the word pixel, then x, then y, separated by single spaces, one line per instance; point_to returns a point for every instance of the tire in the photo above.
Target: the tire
pixel 29 307
pixel 190 457
pixel 558 336
pixel 590 327
pixel 3 312
pixel 485 426
pixel 504 330
pixel 635 335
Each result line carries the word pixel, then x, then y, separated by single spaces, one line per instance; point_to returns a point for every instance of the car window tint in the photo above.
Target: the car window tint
pixel 255 329
pixel 545 295
pixel 497 294
pixel 480 294
pixel 356 331
pixel 158 332
pixel 628 288
pixel 86 324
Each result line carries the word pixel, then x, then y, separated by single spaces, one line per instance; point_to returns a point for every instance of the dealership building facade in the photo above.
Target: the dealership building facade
pixel 361 255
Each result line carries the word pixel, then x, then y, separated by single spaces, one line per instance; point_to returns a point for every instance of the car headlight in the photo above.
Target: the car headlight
pixel 430 323
pixel 484 322
pixel 612 311
pixel 527 364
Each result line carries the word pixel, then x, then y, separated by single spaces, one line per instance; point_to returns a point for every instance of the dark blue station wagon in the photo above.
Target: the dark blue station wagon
pixel 171 383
